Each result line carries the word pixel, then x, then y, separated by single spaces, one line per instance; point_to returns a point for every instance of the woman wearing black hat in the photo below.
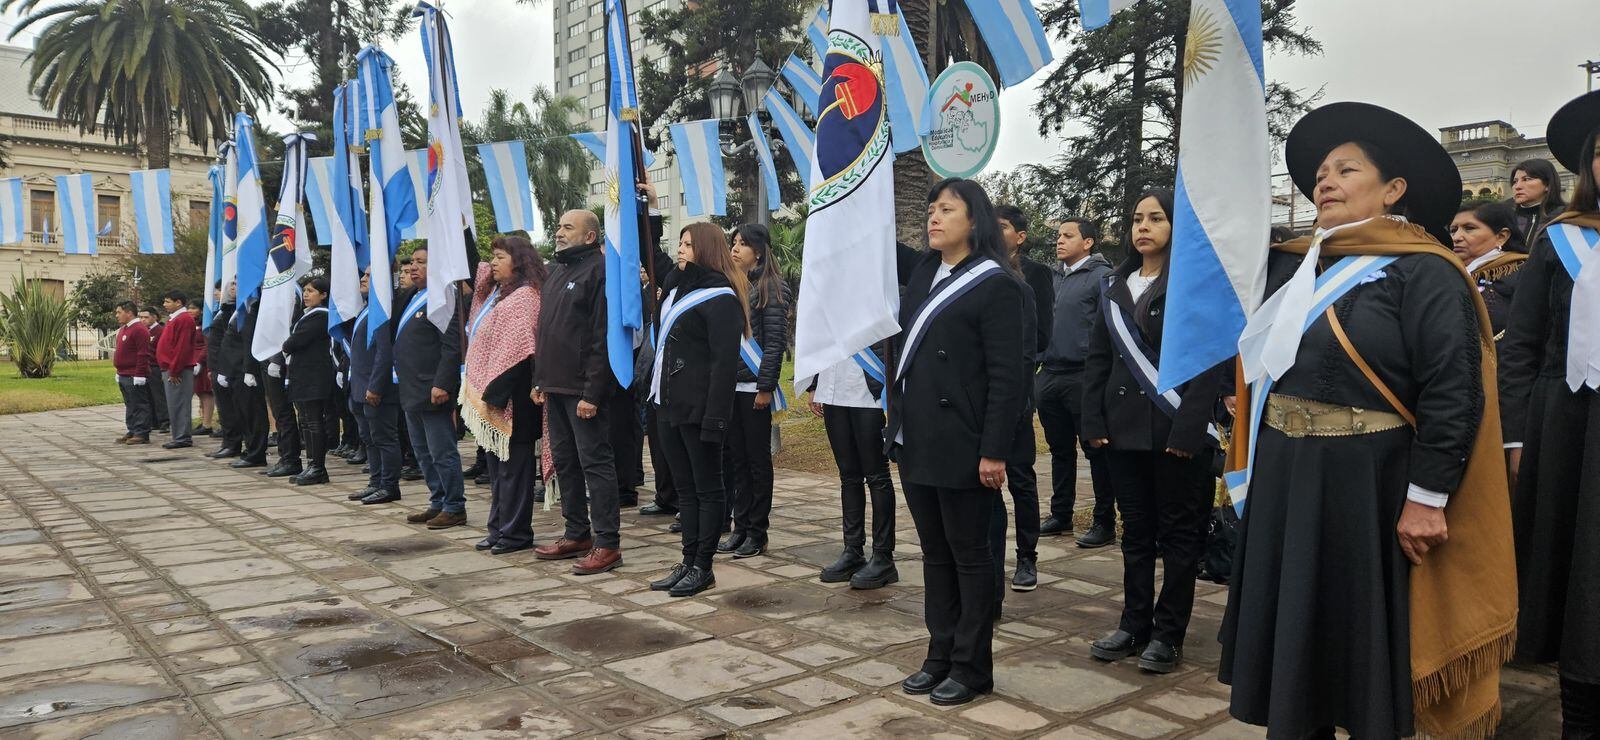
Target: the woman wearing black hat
pixel 1372 583
pixel 1549 372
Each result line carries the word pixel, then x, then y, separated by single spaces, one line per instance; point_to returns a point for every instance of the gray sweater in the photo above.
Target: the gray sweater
pixel 1076 310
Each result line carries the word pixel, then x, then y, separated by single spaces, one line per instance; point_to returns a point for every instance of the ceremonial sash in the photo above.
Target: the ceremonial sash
pixel 752 356
pixel 1576 245
pixel 488 305
pixel 940 298
pixel 670 312
pixel 1141 358
pixel 355 326
pixel 1332 285
pixel 411 308
pixel 873 367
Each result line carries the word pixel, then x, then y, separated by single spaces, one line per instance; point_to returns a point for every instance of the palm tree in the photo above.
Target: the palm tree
pixel 558 167
pixel 139 67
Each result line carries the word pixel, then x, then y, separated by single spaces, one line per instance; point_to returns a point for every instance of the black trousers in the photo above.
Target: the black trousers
pixel 1580 710
pixel 1164 499
pixel 408 456
pixel 747 467
pixel 316 418
pixel 383 443
pixel 958 576
pixel 511 495
pixel 585 470
pixel 250 415
pixel 136 410
pixel 223 401
pixel 666 495
pixel 349 430
pixel 856 437
pixel 627 440
pixel 697 467
pixel 157 390
pixel 1023 483
pixel 1060 402
pixel 289 442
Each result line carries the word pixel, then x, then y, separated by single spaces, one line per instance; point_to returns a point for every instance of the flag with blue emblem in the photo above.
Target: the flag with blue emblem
pixel 152 210
pixel 797 137
pixel 213 286
pixel 1223 201
pixel 849 287
pixel 595 142
pixel 769 171
pixel 806 82
pixel 505 167
pixel 319 197
pixel 228 246
pixel 699 153
pixel 251 222
pixel 1097 13
pixel 624 303
pixel 817 30
pixel 449 196
pixel 347 219
pixel 12 215
pixel 289 257
pixel 1014 35
pixel 393 203
pixel 905 79
pixel 76 204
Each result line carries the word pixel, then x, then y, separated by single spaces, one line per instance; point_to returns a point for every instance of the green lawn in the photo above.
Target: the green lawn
pixel 71 384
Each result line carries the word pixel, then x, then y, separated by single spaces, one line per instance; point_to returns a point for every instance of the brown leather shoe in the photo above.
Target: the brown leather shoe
pixel 446 521
pixel 422 516
pixel 599 560
pixel 123 439
pixel 563 549
pixel 137 441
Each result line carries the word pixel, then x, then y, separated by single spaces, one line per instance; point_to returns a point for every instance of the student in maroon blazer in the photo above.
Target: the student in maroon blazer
pixel 175 354
pixel 132 360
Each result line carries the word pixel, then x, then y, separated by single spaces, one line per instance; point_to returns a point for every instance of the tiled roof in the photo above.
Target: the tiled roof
pixel 14 96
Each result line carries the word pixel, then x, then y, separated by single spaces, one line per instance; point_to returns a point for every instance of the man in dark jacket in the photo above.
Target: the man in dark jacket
pixel 427 369
pixel 232 440
pixel 1039 305
pixel 151 316
pixel 1076 279
pixel 283 413
pixel 373 397
pixel 242 374
pixel 574 382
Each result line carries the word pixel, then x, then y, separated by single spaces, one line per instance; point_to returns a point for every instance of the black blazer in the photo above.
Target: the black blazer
pixel 237 361
pixel 700 354
pixel 1115 406
pixel 966 385
pixel 426 358
pixel 371 363
pixel 308 359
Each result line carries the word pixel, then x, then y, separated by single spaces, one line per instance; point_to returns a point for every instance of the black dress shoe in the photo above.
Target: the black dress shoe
pixel 177 445
pixel 224 452
pixel 411 472
pixel 671 579
pixel 284 469
pixel 358 458
pixel 1116 646
pixel 676 528
pixel 538 492
pixel 921 682
pixel 363 493
pixel 382 497
pixel 697 579
pixel 477 469
pixel 627 499
pixel 245 462
pixel 750 548
pixel 1027 576
pixel 1054 525
pixel 272 439
pixel 730 543
pixel 481 479
pixel 508 549
pixel 1159 657
pixel 484 544
pixel 877 573
pixel 850 561
pixel 314 475
pixel 656 510
pixel 1097 536
pixel 952 692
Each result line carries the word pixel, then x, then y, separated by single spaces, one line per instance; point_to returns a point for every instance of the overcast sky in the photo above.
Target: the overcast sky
pixel 1441 62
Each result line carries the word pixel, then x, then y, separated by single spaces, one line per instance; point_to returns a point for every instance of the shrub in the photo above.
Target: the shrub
pixel 33 324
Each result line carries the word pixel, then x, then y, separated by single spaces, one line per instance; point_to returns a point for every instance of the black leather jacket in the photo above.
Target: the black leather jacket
pixel 769 329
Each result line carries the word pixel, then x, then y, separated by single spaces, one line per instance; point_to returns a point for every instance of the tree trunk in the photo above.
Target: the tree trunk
pixel 1133 155
pixel 912 178
pixel 158 135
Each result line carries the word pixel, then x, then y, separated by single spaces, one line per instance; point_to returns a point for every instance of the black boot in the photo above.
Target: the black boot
pixel 359 457
pixel 1580 709
pixel 878 573
pixel 312 475
pixel 697 579
pixel 284 468
pixel 850 561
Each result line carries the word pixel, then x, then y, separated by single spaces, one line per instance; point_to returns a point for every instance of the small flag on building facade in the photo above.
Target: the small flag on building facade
pixel 799 139
pixel 769 172
pixel 13 217
pixel 76 204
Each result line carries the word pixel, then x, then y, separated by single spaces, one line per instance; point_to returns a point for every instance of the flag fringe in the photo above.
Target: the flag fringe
pixel 886 24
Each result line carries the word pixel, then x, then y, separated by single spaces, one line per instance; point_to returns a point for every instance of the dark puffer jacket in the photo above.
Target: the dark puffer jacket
pixel 769 329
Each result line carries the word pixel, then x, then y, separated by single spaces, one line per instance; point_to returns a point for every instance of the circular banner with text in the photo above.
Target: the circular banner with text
pixel 964 107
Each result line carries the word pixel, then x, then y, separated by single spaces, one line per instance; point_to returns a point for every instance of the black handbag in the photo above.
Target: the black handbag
pixel 1222 536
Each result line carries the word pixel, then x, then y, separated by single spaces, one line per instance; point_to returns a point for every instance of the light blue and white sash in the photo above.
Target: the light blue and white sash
pixel 752 356
pixel 355 326
pixel 1332 285
pixel 1576 246
pixel 1142 359
pixel 940 298
pixel 417 301
pixel 483 313
pixel 670 312
pixel 873 367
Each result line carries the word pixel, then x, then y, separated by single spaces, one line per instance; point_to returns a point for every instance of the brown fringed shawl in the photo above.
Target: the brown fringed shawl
pixel 1464 595
pixel 502 340
pixel 1500 267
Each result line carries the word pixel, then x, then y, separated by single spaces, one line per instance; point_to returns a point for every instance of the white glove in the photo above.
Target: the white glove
pixel 222 380
pixel 339 379
pixel 196 369
pixel 138 380
pixel 118 376
pixel 274 370
pixel 250 380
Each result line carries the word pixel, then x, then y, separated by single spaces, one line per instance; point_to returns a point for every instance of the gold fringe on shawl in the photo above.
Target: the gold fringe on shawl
pixel 1500 267
pixel 1464 595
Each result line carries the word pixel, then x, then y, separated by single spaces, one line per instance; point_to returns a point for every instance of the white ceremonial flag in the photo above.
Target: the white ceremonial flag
pixel 448 200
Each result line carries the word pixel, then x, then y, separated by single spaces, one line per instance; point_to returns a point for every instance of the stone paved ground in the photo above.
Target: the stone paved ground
pixel 147 593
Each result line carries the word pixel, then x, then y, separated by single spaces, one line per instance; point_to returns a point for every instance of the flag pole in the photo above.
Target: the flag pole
pixel 636 140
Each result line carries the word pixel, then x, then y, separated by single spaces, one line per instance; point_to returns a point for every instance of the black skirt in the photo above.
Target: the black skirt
pixel 1317 631
pixel 1556 519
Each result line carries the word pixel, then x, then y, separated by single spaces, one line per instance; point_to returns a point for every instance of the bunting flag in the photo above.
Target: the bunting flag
pixel 251 206
pixel 769 172
pixel 229 245
pixel 152 210
pixel 699 154
pixel 289 257
pixel 13 223
pixel 796 135
pixel 505 167
pixel 1097 13
pixel 595 142
pixel 849 292
pixel 319 196
pixel 347 221
pixel 1222 204
pixel 624 302
pixel 804 80
pixel 906 81
pixel 817 31
pixel 449 197
pixel 75 202
pixel 213 284
pixel 417 168
pixel 1014 35
pixel 392 201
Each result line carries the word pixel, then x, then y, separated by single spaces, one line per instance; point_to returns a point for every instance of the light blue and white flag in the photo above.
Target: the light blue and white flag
pixel 505 167
pixel 251 206
pixel 13 217
pixel 595 142
pixel 213 300
pixel 905 79
pixel 289 257
pixel 417 167
pixel 797 137
pixel 449 196
pixel 152 210
pixel 319 196
pixel 1223 199
pixel 624 304
pixel 393 201
pixel 699 153
pixel 1014 35
pixel 75 202
pixel 347 220
pixel 228 245
pixel 769 172
pixel 1097 13
pixel 806 82
pixel 817 31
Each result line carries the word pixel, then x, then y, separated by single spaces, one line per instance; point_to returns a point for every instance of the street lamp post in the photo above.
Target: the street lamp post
pixel 726 91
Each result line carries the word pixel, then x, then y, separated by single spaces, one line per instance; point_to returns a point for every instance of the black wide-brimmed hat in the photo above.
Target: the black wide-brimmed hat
pixel 1570 127
pixel 1433 184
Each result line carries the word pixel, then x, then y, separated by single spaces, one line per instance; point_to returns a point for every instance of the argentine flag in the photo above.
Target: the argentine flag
pixel 1223 200
pixel 394 202
pixel 769 171
pixel 251 222
pixel 75 201
pixel 449 197
pixel 152 210
pixel 624 306
pixel 212 286
pixel 347 221
pixel 799 139
pixel 505 167
pixel 1097 13
pixel 319 196
pixel 1014 35
pixel 817 31
pixel 12 225
pixel 228 242
pixel 705 186
pixel 806 82
pixel 906 81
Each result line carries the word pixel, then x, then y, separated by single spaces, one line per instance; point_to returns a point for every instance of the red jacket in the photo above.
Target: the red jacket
pixel 132 356
pixel 175 346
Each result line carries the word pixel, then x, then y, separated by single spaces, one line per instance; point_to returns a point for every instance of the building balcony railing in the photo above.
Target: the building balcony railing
pixel 48 240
